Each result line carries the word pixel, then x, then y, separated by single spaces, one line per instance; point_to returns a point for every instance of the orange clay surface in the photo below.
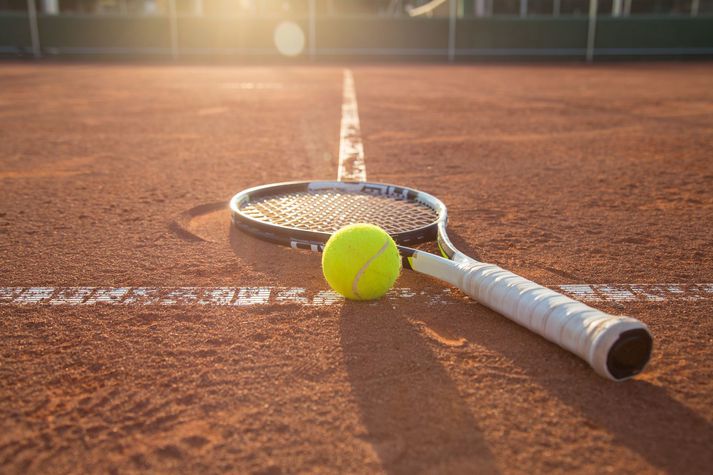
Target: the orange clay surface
pixel 562 173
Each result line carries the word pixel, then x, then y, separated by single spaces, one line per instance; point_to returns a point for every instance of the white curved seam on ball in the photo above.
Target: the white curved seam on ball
pixel 355 282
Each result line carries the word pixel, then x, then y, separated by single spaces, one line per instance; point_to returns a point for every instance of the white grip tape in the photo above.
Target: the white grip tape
pixel 579 328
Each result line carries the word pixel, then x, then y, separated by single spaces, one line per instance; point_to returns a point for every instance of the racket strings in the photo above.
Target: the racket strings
pixel 328 211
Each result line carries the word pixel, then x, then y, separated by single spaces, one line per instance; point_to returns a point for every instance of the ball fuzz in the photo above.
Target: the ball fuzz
pixel 361 262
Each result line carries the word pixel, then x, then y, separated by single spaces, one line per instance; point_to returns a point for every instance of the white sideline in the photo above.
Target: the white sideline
pixel 250 296
pixel 351 150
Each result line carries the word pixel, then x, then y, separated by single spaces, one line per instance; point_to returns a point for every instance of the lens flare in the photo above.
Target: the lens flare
pixel 289 38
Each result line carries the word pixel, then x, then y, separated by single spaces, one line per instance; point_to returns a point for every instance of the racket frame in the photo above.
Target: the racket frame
pixel 314 240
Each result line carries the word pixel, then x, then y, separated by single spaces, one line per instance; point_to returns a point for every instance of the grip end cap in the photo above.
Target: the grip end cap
pixel 630 353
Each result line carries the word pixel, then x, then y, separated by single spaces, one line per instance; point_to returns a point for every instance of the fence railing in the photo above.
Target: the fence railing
pixel 383 8
pixel 453 36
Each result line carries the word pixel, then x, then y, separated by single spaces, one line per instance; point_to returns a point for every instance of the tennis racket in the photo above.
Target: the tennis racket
pixel 303 215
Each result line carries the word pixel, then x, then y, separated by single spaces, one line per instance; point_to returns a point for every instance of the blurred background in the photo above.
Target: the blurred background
pixel 289 30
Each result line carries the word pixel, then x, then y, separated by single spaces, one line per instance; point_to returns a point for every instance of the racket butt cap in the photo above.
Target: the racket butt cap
pixel 629 354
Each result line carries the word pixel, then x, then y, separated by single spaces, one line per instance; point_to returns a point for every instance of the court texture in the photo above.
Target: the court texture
pixel 140 332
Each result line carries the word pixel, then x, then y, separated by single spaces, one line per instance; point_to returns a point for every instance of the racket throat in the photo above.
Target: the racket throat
pixel 438 267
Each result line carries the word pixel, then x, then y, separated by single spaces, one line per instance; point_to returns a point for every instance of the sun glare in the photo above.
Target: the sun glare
pixel 289 38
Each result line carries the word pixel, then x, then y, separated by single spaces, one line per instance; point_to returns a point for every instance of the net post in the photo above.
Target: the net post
pixel 695 7
pixel 616 7
pixel 591 29
pixel 173 24
pixel 452 11
pixel 50 7
pixel 34 30
pixel 197 7
pixel 312 29
pixel 479 8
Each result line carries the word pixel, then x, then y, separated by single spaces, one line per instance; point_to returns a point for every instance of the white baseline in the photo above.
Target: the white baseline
pixel 252 295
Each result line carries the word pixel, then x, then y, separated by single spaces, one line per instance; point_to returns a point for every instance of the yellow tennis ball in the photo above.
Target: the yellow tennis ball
pixel 361 262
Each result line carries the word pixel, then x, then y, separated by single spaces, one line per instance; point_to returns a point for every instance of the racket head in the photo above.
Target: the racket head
pixel 304 214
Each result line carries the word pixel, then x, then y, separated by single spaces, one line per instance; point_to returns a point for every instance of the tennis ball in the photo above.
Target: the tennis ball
pixel 361 262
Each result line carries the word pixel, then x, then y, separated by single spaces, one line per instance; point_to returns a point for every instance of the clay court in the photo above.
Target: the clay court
pixel 140 332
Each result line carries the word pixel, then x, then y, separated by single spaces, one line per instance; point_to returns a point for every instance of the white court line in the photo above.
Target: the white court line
pixel 251 296
pixel 181 296
pixel 252 85
pixel 351 149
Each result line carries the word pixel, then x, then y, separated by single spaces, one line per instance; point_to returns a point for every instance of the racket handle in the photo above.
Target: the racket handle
pixel 617 347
